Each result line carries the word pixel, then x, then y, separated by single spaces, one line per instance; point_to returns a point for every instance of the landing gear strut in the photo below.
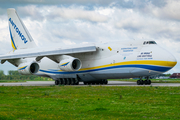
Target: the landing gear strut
pixel 146 82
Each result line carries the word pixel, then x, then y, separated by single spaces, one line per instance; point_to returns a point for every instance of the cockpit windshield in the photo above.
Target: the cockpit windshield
pixel 149 42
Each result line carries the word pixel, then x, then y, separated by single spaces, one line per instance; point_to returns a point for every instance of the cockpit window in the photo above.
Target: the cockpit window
pixel 152 42
pixel 149 42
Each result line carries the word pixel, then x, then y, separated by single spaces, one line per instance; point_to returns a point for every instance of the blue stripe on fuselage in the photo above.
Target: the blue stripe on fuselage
pixel 148 67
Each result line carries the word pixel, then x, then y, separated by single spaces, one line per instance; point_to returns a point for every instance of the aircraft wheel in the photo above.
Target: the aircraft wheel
pixel 142 82
pixel 98 82
pixel 67 81
pixel 93 83
pixel 72 81
pixel 105 82
pixel 149 82
pixel 146 82
pixel 138 82
pixel 101 82
pixel 76 81
pixel 62 82
pixel 56 82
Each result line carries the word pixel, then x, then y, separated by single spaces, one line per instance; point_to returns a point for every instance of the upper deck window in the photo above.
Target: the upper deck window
pixel 149 42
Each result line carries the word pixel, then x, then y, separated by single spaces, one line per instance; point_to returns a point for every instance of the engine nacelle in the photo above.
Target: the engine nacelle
pixel 70 64
pixel 28 68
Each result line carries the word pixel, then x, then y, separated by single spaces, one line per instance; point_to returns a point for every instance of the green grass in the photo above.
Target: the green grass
pixel 89 102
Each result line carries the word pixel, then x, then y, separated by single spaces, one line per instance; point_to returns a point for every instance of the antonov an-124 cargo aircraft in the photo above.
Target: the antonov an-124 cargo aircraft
pixel 91 64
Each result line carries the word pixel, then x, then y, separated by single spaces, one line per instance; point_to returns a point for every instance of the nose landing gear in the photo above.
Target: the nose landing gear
pixel 146 82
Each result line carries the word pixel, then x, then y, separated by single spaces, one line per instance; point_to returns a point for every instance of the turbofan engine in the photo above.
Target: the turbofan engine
pixel 70 64
pixel 28 68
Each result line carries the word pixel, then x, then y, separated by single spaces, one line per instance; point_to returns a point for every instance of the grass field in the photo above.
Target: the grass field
pixel 89 102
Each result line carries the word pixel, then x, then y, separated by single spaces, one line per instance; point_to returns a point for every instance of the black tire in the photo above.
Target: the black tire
pixel 142 82
pixel 98 82
pixel 85 83
pixel 56 82
pixel 106 82
pixel 69 81
pixel 72 81
pixel 138 82
pixel 101 82
pixel 146 82
pixel 77 83
pixel 62 82
pixel 93 83
pixel 149 82
pixel 65 81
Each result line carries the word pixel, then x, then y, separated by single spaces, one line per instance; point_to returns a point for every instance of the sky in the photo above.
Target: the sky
pixel 69 22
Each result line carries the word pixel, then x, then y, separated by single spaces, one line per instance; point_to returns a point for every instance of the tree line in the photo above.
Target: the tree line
pixel 15 75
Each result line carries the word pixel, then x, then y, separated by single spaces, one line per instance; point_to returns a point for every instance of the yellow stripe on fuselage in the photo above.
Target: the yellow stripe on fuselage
pixel 139 62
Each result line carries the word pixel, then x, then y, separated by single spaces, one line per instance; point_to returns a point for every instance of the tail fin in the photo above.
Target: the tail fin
pixel 20 37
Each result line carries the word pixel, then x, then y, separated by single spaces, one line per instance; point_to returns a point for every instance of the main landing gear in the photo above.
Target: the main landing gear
pixel 146 82
pixel 101 82
pixel 67 81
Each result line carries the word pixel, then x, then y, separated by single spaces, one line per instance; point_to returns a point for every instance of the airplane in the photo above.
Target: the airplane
pixel 91 64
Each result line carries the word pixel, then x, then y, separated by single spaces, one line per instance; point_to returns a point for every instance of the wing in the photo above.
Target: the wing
pixel 40 54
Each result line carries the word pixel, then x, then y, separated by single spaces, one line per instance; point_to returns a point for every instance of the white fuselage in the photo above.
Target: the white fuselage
pixel 115 60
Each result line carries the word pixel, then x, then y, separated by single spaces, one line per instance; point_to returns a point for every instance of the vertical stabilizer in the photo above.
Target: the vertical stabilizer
pixel 20 37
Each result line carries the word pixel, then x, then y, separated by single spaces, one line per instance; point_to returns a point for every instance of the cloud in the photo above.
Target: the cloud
pixel 78 14
pixel 170 10
pixel 54 12
pixel 31 11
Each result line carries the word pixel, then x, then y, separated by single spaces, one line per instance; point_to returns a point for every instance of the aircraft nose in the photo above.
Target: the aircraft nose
pixel 171 60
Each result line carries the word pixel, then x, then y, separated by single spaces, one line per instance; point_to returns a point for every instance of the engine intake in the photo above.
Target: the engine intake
pixel 28 68
pixel 71 64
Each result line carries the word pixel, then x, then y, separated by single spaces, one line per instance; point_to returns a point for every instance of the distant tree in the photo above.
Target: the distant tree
pixel 15 75
pixel 1 73
pixel 13 72
pixel 168 74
